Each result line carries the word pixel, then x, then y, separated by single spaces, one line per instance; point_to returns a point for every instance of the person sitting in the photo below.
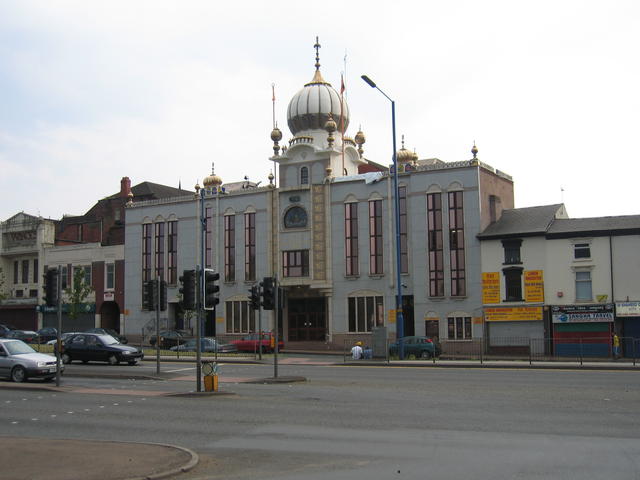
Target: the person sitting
pixel 356 351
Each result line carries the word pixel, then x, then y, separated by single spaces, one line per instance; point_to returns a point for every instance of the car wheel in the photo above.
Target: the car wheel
pixel 66 358
pixel 113 360
pixel 18 374
pixel 48 379
pixel 426 355
pixel 132 362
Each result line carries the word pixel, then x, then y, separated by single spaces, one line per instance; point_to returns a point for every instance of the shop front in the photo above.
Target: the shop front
pixel 628 322
pixel 514 330
pixel 582 330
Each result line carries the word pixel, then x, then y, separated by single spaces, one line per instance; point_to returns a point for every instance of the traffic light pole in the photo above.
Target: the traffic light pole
pixel 276 311
pixel 59 339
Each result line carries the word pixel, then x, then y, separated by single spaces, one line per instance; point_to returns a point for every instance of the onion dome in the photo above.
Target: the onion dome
pixel 212 180
pixel 360 138
pixel 309 109
pixel 404 155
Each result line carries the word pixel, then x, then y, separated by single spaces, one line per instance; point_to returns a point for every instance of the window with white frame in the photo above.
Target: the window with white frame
pixel 110 280
pixel 459 328
pixel 581 251
pixel 365 312
pixel 583 285
pixel 239 317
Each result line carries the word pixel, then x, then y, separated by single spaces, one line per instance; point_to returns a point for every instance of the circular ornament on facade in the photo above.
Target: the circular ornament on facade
pixel 296 217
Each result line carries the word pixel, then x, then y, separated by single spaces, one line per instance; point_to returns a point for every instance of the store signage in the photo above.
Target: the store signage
pixel 109 296
pixel 628 309
pixel 512 314
pixel 20 239
pixel 582 313
pixel 490 287
pixel 533 286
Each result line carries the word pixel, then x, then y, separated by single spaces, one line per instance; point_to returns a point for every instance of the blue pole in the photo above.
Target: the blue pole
pixel 396 191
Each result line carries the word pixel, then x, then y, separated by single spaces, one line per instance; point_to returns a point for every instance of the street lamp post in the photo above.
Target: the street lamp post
pixel 399 314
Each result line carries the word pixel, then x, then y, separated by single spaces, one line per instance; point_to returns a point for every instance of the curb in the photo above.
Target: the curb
pixel 276 380
pixel 174 471
pixel 519 366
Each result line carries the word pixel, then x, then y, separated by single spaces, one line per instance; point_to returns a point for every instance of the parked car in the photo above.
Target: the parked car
pixel 46 334
pixel 5 328
pixel 27 336
pixel 63 337
pixel 420 347
pixel 251 342
pixel 88 347
pixel 209 345
pixel 19 361
pixel 109 331
pixel 170 338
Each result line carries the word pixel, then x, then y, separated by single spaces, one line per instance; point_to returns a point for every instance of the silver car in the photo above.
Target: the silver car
pixel 19 361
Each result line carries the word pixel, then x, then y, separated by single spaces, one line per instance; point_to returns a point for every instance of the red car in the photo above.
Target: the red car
pixel 251 342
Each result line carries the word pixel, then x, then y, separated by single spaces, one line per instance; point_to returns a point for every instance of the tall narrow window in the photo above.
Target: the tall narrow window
pixel 35 270
pixel 513 284
pixel 364 313
pixel 351 238
pixel 404 248
pixel 16 269
pixel 239 317
pixel 172 251
pixel 583 285
pixel 434 245
pixel 207 237
pixel 159 241
pixel 375 237
pixel 456 244
pixel 64 277
pixel 110 282
pixel 304 176
pixel 250 246
pixel 25 271
pixel 230 248
pixel 146 252
pixel 512 251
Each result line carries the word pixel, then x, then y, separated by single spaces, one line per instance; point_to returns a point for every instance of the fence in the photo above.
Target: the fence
pixel 482 349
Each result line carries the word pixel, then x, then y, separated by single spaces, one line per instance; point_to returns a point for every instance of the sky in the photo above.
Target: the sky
pixel 93 91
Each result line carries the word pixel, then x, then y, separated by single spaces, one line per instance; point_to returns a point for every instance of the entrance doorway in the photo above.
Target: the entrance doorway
pixel 307 319
pixel 407 311
pixel 110 316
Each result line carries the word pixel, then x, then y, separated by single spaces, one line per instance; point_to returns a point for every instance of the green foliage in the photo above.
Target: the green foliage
pixel 77 293
pixel 2 282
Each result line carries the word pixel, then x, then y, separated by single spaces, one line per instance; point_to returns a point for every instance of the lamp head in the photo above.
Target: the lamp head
pixel 370 82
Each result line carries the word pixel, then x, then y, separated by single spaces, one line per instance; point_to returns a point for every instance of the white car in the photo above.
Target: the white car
pixel 18 361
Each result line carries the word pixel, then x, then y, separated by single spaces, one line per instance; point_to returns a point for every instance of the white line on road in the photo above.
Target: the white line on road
pixel 180 370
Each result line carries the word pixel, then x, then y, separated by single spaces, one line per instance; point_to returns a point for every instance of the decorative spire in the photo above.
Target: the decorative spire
pixel 317 47
pixel 474 150
pixel 317 77
pixel 360 140
pixel 276 136
pixel 330 127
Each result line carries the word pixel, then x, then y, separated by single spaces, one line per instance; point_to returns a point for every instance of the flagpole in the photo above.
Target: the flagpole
pixel 273 100
pixel 342 89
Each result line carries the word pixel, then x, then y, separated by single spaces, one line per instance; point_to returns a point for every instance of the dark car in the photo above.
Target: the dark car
pixel 251 343
pixel 5 328
pixel 27 336
pixel 170 338
pixel 46 334
pixel 209 345
pixel 88 347
pixel 419 347
pixel 109 331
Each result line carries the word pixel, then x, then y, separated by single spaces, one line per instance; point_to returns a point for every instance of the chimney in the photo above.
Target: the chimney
pixel 125 187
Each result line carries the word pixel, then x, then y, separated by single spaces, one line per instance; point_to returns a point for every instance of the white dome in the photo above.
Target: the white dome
pixel 309 109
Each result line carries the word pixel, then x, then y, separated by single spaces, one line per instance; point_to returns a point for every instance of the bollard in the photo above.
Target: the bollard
pixel 210 371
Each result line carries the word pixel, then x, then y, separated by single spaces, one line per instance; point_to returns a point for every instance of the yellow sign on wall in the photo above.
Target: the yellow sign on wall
pixel 512 314
pixel 533 286
pixel 392 316
pixel 490 287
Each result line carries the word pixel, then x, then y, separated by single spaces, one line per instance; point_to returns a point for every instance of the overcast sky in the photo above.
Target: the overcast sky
pixel 91 91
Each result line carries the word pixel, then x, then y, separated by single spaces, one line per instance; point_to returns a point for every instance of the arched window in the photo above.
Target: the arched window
pixel 304 176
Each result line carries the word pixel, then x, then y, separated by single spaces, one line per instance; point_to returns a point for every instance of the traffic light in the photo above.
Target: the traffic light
pixel 163 295
pixel 254 297
pixel 149 295
pixel 51 287
pixel 211 289
pixel 188 289
pixel 268 293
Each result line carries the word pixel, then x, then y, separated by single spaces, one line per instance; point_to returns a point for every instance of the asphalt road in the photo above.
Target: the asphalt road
pixel 360 422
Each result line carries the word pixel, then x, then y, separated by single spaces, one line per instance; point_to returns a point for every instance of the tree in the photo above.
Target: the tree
pixel 77 293
pixel 2 280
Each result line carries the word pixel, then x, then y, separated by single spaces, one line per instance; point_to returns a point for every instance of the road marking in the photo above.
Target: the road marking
pixel 180 370
pixel 14 423
pixel 34 419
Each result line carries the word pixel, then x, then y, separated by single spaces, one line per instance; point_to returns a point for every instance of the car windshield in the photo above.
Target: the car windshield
pixel 108 339
pixel 18 348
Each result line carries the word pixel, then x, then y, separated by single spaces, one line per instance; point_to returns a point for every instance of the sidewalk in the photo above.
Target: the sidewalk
pixel 53 459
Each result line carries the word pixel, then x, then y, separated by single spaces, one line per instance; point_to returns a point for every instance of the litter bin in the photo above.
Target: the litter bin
pixel 210 372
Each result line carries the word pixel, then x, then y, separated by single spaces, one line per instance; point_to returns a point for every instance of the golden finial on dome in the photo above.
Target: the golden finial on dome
pixel 271 177
pixel 404 155
pixel 213 180
pixel 317 77
pixel 474 150
pixel 360 140
pixel 276 136
pixel 330 126
pixel 130 199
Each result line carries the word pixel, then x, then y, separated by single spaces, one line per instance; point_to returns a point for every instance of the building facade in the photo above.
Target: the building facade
pixel 326 231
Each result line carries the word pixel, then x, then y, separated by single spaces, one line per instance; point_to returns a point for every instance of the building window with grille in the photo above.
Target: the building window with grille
pixel 351 239
pixel 581 251
pixel 295 263
pixel 304 176
pixel 110 280
pixel 512 251
pixel 239 317
pixel 434 245
pixel 229 248
pixel 375 237
pixel 172 252
pixel 35 270
pixel 512 284
pixel 159 242
pixel 456 245
pixel 365 313
pixel 146 252
pixel 404 247
pixel 250 246
pixel 16 270
pixel 25 271
pixel 459 328
pixel 583 286
pixel 208 223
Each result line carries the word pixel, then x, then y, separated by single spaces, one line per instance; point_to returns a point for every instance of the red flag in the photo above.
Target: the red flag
pixel 342 88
